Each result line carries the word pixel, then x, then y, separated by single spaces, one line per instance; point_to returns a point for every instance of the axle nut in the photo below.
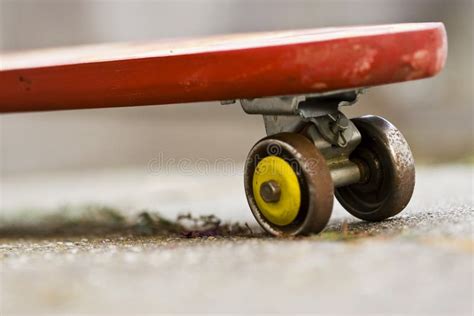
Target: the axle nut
pixel 270 191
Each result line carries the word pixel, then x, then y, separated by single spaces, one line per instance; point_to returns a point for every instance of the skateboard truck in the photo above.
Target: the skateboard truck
pixel 313 151
pixel 319 118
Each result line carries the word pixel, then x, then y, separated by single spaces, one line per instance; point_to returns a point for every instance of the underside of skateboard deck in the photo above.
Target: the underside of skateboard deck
pixel 220 68
pixel 298 81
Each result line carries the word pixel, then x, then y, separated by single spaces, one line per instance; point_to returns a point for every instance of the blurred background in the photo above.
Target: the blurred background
pixel 71 172
pixel 434 114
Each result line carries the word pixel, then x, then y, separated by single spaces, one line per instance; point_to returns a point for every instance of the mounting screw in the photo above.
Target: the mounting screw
pixel 225 102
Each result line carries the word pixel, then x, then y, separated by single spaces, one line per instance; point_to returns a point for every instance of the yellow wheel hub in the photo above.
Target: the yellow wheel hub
pixel 276 170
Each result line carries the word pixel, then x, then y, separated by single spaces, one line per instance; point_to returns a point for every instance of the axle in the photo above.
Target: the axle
pixel 345 173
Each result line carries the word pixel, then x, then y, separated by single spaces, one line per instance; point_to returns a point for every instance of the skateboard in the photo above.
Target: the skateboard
pixel 299 81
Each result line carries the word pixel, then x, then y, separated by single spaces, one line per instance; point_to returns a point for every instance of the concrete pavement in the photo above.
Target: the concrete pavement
pixel 419 262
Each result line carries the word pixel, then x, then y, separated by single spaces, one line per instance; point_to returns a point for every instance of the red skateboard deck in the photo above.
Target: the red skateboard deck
pixel 220 68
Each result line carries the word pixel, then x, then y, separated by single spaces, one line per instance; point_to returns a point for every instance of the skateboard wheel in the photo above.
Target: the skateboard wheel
pixel 388 172
pixel 288 185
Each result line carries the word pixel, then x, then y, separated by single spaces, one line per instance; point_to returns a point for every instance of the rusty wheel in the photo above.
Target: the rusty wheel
pixel 288 185
pixel 388 176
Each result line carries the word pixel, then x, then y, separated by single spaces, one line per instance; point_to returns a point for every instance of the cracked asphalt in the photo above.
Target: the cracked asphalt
pixel 419 262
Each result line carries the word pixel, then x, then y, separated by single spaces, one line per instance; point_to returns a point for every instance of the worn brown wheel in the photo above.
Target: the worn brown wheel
pixel 288 185
pixel 388 172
